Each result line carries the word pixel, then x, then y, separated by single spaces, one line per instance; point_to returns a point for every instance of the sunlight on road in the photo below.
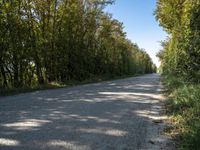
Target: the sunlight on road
pixel 66 145
pixel 134 95
pixel 111 132
pixel 150 114
pixel 118 115
pixel 27 124
pixel 8 142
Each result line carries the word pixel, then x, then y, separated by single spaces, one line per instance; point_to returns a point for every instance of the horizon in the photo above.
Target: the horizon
pixel 141 27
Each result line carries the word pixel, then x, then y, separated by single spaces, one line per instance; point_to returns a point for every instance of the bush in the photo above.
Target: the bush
pixel 186 96
pixel 173 82
pixel 185 107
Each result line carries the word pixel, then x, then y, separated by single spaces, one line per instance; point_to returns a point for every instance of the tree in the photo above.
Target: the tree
pixel 180 54
pixel 44 41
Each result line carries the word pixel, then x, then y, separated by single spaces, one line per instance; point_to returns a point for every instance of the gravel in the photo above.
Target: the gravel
pixel 123 114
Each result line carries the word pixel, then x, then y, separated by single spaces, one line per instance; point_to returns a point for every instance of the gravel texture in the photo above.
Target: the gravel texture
pixel 113 115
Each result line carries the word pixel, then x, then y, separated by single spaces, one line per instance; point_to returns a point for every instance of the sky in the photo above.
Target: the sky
pixel 139 24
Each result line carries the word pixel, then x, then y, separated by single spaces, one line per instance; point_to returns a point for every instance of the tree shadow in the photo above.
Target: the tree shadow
pixel 108 115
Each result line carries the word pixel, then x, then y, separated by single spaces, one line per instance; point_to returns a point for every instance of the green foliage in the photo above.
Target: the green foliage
pixel 180 63
pixel 173 82
pixel 45 41
pixel 181 51
pixel 185 105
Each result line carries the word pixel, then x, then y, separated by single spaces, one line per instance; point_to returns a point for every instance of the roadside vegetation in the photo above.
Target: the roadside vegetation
pixel 180 66
pixel 56 85
pixel 64 41
pixel 184 112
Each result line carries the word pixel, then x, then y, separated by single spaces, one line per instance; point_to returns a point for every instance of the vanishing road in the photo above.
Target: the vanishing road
pixel 111 115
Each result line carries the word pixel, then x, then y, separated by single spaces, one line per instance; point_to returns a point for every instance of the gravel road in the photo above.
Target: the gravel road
pixel 113 115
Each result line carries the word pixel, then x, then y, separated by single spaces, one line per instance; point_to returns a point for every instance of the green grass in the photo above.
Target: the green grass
pixel 14 91
pixel 55 85
pixel 184 111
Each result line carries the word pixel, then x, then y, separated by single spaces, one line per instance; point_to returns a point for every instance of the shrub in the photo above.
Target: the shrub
pixel 184 104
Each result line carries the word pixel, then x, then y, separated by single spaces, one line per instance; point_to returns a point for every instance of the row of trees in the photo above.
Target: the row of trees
pixel 42 41
pixel 181 51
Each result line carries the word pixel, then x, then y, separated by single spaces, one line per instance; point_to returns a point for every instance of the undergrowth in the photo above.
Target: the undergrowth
pixel 184 109
pixel 54 85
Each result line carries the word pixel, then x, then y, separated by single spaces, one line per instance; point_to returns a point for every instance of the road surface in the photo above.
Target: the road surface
pixel 111 115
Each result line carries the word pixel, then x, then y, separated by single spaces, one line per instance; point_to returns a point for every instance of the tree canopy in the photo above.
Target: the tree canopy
pixel 42 41
pixel 181 51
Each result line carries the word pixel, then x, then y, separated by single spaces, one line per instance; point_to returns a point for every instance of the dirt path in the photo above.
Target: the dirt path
pixel 113 115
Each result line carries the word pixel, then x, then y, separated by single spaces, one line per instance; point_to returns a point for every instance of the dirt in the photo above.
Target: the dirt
pixel 123 114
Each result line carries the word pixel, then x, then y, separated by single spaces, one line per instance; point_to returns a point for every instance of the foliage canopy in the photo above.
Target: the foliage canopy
pixel 43 41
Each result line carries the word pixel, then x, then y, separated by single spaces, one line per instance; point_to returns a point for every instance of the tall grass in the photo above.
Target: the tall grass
pixel 184 108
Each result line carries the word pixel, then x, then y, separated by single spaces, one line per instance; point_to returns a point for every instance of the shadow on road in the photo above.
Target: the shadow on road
pixel 108 115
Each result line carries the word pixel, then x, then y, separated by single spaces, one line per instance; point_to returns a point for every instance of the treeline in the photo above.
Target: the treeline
pixel 43 41
pixel 180 55
pixel 180 65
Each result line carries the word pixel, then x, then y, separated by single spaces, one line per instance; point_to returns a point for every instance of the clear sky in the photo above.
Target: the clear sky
pixel 140 24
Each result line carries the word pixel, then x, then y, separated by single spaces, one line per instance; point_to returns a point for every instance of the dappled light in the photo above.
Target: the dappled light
pixel 8 142
pixel 66 145
pixel 27 124
pixel 88 74
pixel 131 94
pixel 84 116
pixel 154 115
pixel 111 132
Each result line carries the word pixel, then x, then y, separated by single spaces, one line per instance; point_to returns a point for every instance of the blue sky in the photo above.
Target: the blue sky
pixel 139 23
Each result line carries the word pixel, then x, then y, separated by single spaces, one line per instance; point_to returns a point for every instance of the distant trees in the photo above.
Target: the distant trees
pixel 181 51
pixel 60 40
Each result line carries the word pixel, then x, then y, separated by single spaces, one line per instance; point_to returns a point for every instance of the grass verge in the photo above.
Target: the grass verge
pixel 55 85
pixel 184 111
